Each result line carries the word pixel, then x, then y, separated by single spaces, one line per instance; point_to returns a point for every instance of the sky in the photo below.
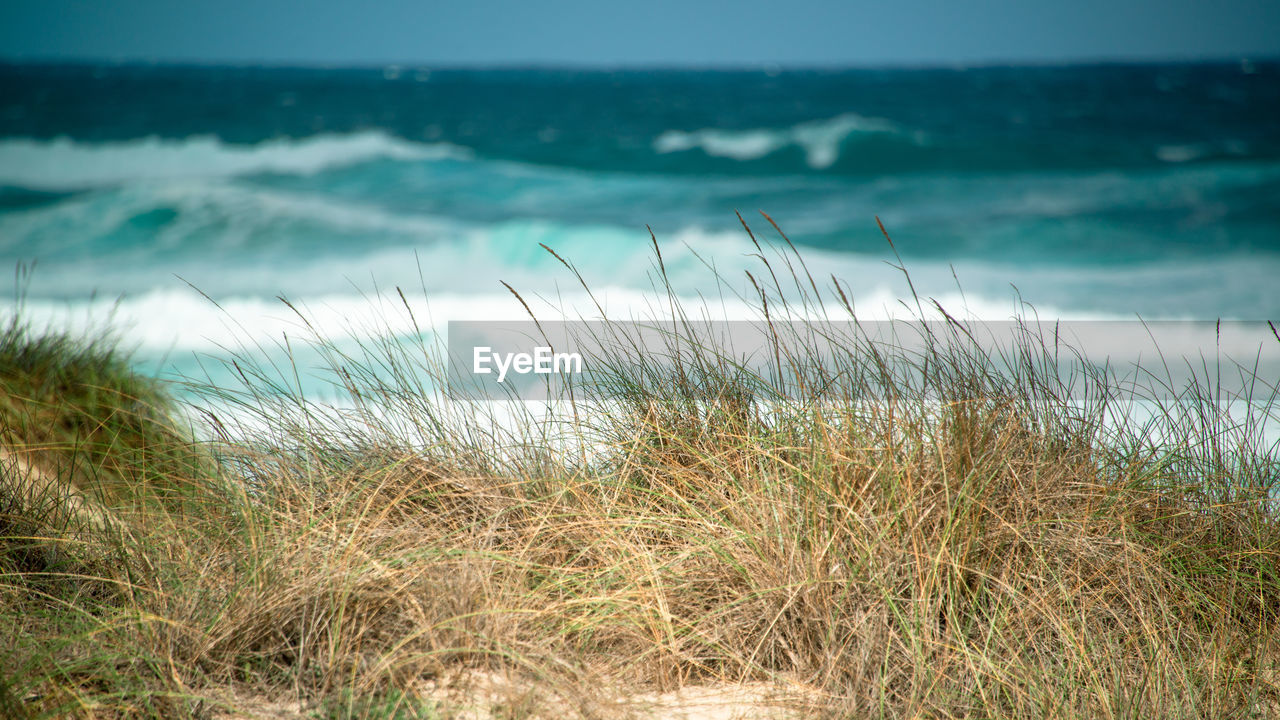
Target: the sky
pixel 637 32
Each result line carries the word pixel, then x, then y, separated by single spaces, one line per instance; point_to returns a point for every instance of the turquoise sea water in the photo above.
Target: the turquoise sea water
pixel 146 193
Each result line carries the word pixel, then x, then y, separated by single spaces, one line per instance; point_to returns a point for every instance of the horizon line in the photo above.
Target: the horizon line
pixel 589 66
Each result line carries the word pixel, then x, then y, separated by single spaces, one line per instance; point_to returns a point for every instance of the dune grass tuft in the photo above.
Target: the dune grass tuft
pixel 926 529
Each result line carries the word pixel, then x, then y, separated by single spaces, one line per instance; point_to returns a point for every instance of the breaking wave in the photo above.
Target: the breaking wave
pixel 820 140
pixel 64 164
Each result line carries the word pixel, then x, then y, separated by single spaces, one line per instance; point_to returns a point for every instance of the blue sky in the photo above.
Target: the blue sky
pixel 639 32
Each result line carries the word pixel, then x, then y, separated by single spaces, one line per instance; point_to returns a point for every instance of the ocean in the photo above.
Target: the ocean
pixel 178 204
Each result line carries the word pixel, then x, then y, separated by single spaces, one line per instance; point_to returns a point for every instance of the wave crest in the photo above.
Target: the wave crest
pixel 819 139
pixel 64 164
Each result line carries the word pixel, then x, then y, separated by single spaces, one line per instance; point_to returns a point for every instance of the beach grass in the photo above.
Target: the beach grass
pixel 927 529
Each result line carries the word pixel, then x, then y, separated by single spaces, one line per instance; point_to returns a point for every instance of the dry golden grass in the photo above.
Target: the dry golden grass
pixel 960 544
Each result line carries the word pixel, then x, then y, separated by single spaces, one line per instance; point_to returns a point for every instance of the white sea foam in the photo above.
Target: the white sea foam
pixel 178 319
pixel 168 320
pixel 64 164
pixel 739 145
pixel 820 139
